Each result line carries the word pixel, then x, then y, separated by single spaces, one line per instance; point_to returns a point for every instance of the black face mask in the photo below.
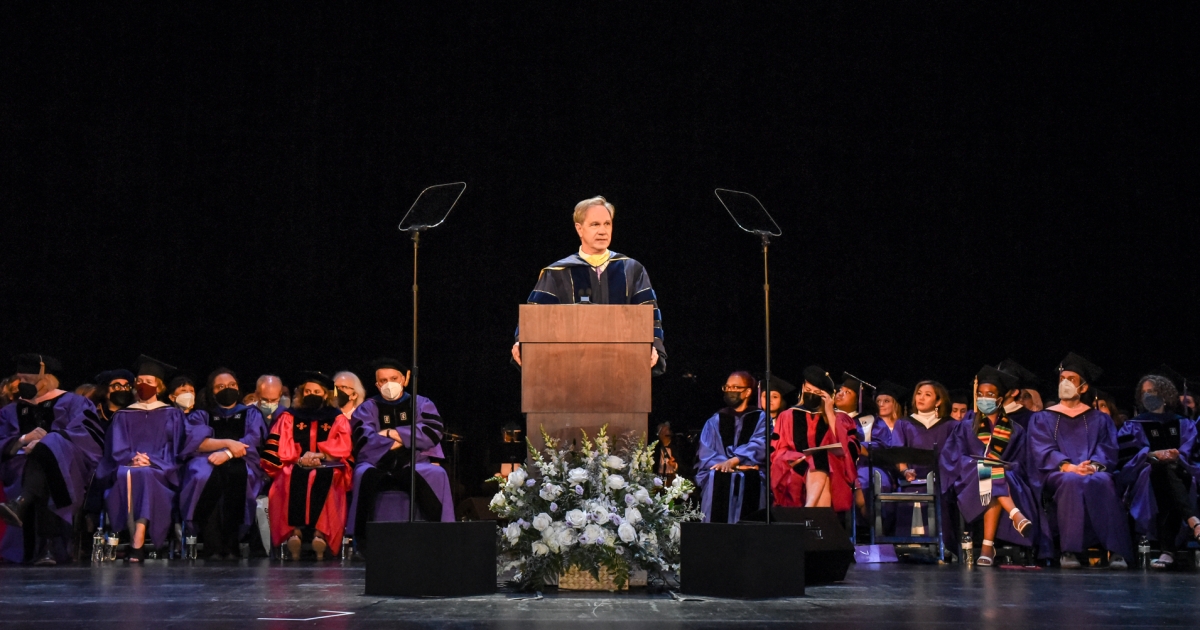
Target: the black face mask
pixel 228 397
pixel 810 402
pixel 312 402
pixel 28 391
pixel 733 399
pixel 343 398
pixel 121 398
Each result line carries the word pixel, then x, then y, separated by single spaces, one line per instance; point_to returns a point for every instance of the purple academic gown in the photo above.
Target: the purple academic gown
pixel 1133 479
pixel 74 436
pixel 962 479
pixel 881 435
pixel 372 450
pixel 913 434
pixel 750 449
pixel 161 434
pixel 241 423
pixel 1086 509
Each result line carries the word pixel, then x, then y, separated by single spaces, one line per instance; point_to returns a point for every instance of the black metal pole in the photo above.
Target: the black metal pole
pixel 767 426
pixel 412 432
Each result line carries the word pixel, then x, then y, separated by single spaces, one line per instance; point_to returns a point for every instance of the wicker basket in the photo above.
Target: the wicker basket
pixel 577 579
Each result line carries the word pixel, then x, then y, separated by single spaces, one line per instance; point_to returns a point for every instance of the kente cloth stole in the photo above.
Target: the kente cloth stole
pixel 995 441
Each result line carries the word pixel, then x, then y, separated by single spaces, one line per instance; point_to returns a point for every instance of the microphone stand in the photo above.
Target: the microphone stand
pixel 767 428
pixel 412 432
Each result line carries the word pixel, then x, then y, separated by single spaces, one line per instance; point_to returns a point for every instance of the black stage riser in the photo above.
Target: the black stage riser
pixel 828 552
pixel 431 559
pixel 747 560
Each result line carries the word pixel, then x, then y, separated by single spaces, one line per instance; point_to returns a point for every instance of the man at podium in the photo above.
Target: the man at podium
pixel 597 275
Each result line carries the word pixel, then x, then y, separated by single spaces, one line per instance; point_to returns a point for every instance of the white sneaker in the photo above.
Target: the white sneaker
pixel 1118 563
pixel 1069 561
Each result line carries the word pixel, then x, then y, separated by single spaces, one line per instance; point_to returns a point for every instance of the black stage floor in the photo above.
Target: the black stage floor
pixel 160 595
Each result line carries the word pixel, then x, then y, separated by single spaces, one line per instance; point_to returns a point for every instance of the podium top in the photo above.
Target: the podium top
pixel 587 323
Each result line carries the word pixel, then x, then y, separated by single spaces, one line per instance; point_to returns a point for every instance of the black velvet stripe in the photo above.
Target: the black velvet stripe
pixel 45 458
pixel 365 512
pixel 431 416
pixel 720 497
pixel 94 429
pixel 320 491
pixel 582 281
pixel 748 425
pixel 751 488
pixel 428 501
pixel 644 296
pixel 270 451
pixel 297 493
pixel 618 287
pixel 433 434
pixel 725 425
pixel 1127 453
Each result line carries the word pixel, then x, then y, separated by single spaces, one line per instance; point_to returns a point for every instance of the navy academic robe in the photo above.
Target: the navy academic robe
pixel 726 435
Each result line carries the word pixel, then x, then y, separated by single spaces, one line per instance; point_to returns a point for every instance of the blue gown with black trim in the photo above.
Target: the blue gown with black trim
pixel 623 281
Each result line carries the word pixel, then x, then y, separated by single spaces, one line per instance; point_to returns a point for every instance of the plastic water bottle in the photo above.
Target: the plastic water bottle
pixel 98 546
pixel 190 547
pixel 110 550
pixel 968 550
pixel 347 544
pixel 1143 550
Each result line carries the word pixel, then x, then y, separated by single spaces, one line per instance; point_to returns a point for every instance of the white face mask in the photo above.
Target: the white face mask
pixel 392 390
pixel 1067 390
pixel 268 407
pixel 185 401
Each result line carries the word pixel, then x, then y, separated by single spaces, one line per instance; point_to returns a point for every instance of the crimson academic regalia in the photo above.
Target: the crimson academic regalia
pixel 787 482
pixel 314 497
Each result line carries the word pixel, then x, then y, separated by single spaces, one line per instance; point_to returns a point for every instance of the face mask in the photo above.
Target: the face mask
pixel 228 397
pixel 1067 390
pixel 185 401
pixel 343 398
pixel 1152 402
pixel 733 399
pixel 312 401
pixel 810 402
pixel 121 398
pixel 28 391
pixel 391 390
pixel 285 402
pixel 146 391
pixel 987 406
pixel 267 407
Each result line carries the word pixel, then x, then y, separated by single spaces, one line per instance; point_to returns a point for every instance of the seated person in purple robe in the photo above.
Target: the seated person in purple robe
pixel 1072 451
pixel 181 392
pixel 221 472
pixel 927 427
pixel 140 468
pixel 960 402
pixel 381 431
pixel 597 275
pixel 50 441
pixel 1013 406
pixel 1156 450
pixel 732 454
pixel 983 459
pixel 114 392
pixel 878 430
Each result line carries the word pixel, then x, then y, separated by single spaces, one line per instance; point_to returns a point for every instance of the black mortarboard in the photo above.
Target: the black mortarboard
pixel 899 392
pixel 960 396
pixel 1025 378
pixel 783 387
pixel 1170 374
pixel 106 377
pixel 1003 381
pixel 149 366
pixel 1081 366
pixel 388 363
pixel 314 377
pixel 34 363
pixel 816 376
pixel 854 384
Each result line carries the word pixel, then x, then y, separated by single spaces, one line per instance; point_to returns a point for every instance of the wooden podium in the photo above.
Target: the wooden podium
pixel 584 366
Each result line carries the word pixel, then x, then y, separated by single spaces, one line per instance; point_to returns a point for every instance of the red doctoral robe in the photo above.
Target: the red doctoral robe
pixel 313 497
pixel 787 483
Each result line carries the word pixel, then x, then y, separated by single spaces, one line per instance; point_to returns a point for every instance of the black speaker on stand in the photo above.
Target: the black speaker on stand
pixel 744 560
pixel 828 551
pixel 432 559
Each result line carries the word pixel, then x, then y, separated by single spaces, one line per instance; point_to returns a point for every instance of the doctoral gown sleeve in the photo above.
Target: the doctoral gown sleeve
pixel 369 446
pixel 643 293
pixel 711 450
pixel 281 450
pixel 72 420
pixel 754 451
pixel 256 433
pixel 198 430
pixel 1044 452
pixel 1106 443
pixel 338 445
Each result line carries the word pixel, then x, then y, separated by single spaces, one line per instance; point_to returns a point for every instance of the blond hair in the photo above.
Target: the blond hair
pixel 581 208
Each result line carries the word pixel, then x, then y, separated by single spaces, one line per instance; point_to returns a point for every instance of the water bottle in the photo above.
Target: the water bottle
pixel 347 552
pixel 190 547
pixel 110 550
pixel 98 546
pixel 1143 550
pixel 968 550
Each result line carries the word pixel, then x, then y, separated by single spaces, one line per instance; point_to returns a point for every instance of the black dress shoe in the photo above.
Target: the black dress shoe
pixel 46 559
pixel 11 512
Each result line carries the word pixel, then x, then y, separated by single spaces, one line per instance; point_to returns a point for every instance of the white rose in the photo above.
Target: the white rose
pixel 593 533
pixel 541 522
pixel 550 492
pixel 567 537
pixel 633 516
pixel 614 462
pixel 498 501
pixel 610 538
pixel 577 476
pixel 513 533
pixel 674 532
pixel 540 548
pixel 627 533
pixel 517 478
pixel 576 518
pixel 642 496
pixel 598 514
pixel 616 482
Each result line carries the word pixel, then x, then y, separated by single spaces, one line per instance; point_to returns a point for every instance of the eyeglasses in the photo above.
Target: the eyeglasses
pixel 731 388
pixel 118 387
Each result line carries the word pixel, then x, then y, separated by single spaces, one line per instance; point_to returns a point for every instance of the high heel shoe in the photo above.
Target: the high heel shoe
pixel 319 546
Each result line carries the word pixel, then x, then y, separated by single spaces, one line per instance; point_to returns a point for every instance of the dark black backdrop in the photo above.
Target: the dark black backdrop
pixel 954 185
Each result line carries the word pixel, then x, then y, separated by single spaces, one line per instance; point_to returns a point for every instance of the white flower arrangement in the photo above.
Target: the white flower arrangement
pixel 588 509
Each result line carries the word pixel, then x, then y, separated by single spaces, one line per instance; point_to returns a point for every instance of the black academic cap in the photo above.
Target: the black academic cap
pixel 1170 374
pixel 1003 381
pixel 816 376
pixel 1025 378
pixel 1081 366
pixel 106 377
pixel 314 377
pixel 852 383
pixel 898 392
pixel 783 387
pixel 149 366
pixel 34 363
pixel 960 396
pixel 388 363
